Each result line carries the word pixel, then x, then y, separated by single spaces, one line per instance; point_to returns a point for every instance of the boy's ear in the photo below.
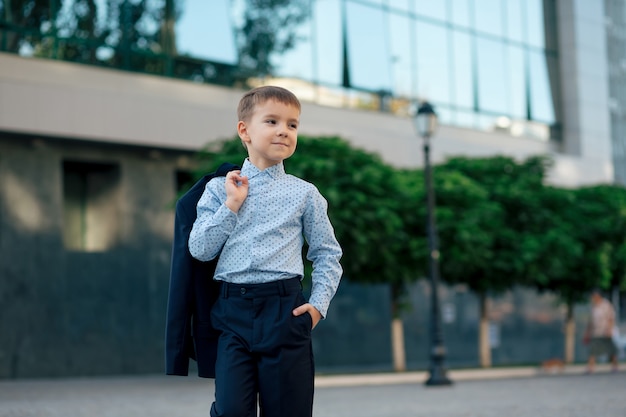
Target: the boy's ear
pixel 242 131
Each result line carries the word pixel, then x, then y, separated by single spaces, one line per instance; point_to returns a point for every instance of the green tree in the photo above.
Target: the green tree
pixel 555 219
pixel 18 14
pixel 485 219
pixel 585 245
pixel 603 230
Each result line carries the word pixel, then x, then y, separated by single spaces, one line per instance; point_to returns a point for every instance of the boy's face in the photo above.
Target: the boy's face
pixel 271 134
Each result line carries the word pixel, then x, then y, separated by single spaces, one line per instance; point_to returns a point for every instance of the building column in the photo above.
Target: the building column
pixel 584 81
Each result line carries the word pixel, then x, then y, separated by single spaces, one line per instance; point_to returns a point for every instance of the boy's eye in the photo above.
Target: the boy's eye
pixel 271 121
pixel 293 126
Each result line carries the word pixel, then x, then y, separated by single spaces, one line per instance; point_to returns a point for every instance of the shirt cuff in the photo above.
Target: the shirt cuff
pixel 226 218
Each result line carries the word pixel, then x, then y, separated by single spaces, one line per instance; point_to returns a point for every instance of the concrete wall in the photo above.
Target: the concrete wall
pixel 70 312
pixel 86 103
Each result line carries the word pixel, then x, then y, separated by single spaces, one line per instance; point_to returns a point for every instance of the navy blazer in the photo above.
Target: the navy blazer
pixel 192 292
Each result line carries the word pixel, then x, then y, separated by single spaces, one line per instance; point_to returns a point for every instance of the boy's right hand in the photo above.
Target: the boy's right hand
pixel 236 190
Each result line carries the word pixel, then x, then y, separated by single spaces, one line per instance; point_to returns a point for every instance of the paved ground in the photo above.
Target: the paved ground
pixel 514 392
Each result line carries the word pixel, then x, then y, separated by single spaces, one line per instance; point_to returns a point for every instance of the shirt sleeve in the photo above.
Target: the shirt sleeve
pixel 214 222
pixel 324 252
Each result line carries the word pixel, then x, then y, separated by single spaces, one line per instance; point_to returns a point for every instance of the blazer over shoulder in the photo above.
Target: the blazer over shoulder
pixel 192 292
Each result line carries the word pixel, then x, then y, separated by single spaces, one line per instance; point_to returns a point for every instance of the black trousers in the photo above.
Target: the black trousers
pixel 263 351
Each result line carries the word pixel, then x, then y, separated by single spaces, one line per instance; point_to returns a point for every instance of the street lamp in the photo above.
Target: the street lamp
pixel 425 124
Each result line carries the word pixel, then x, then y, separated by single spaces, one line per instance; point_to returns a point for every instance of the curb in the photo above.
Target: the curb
pixel 329 381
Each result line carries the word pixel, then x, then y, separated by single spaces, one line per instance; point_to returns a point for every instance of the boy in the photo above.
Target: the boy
pixel 256 220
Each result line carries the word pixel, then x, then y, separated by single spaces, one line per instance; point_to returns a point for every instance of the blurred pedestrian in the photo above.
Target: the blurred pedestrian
pixel 599 332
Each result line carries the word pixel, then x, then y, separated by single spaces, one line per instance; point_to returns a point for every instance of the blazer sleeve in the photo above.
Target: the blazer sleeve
pixel 178 342
pixel 188 333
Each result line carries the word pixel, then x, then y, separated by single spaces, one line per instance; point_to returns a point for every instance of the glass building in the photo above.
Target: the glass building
pixel 482 63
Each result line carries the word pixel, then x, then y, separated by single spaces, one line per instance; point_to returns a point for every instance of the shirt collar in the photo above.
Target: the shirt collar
pixel 251 171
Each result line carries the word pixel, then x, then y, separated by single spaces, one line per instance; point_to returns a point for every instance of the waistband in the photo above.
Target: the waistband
pixel 281 287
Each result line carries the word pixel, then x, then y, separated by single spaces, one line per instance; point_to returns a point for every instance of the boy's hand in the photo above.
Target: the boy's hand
pixel 236 190
pixel 316 316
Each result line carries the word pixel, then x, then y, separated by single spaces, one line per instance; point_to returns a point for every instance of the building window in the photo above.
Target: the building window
pixel 197 22
pixel 90 205
pixel 432 72
pixel 370 68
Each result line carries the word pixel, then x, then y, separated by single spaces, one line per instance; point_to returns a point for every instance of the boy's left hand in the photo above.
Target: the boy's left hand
pixel 316 316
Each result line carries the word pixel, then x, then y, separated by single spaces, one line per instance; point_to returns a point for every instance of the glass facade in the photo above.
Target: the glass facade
pixel 485 64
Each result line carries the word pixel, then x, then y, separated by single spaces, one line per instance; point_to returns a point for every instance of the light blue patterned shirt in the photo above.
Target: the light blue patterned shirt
pixel 263 241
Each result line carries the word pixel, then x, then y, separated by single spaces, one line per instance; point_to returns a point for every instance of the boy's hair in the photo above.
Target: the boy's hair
pixel 263 94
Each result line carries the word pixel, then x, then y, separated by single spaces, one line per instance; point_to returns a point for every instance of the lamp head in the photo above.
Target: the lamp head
pixel 425 120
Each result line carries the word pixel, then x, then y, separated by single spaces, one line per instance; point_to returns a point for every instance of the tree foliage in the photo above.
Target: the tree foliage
pixel 601 227
pixel 140 35
pixel 471 229
pixel 485 211
pixel 549 238
pixel 582 236
pixel 93 32
pixel 268 28
pixel 499 225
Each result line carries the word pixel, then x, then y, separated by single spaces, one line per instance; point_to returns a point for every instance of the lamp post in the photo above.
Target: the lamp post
pixel 425 124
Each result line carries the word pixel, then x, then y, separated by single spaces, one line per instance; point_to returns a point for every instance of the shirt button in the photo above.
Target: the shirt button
pixel 242 291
